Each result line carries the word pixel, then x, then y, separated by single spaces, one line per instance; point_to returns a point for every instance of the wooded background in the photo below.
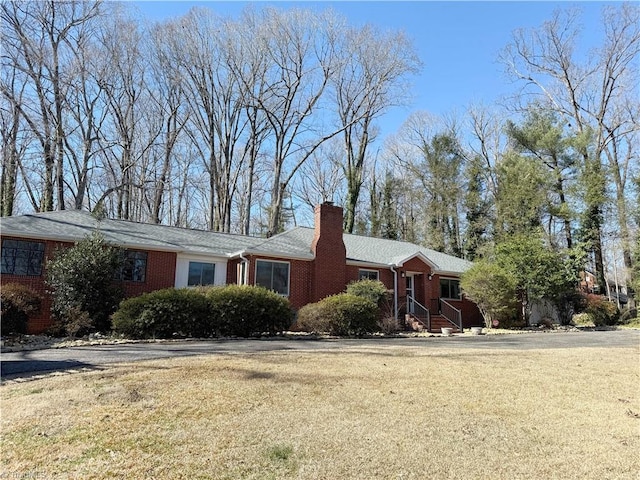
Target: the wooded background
pixel 243 124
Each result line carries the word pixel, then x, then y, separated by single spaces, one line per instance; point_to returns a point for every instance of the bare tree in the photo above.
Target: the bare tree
pixel 299 50
pixel 14 143
pixel 167 94
pixel 87 112
pixel 200 46
pixel 487 142
pixel 320 176
pixel 370 78
pixel 129 131
pixel 36 40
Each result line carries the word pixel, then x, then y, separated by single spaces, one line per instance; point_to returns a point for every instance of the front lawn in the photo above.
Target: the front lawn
pixel 389 413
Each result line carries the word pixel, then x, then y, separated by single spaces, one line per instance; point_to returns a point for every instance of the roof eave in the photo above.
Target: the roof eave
pixel 419 255
pixel 75 239
pixel 263 253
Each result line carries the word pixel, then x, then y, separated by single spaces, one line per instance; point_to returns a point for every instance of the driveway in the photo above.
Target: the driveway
pixel 15 365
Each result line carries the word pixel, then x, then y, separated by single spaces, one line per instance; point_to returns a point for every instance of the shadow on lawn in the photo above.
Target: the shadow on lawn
pixel 19 370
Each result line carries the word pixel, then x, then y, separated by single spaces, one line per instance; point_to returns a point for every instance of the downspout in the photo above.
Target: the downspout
pixel 245 261
pixel 395 292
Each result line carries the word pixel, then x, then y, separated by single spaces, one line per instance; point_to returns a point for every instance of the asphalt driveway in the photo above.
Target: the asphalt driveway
pixel 24 364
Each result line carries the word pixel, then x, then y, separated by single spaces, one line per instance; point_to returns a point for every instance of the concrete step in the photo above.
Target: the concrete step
pixel 438 322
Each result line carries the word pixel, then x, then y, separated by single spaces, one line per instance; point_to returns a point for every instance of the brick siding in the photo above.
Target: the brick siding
pixel 329 269
pixel 161 271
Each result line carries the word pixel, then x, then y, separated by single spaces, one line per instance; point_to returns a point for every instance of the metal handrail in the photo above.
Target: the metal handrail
pixel 451 313
pixel 418 307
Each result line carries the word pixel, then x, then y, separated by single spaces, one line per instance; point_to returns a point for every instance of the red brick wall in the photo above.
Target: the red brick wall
pixel 232 271
pixel 330 264
pixel 385 275
pixel 299 278
pixel 471 316
pixel 161 271
pixel 42 320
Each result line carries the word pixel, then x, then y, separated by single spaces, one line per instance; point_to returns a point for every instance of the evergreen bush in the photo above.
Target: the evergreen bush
pixel 17 303
pixel 343 314
pixel 82 287
pixel 245 310
pixel 372 290
pixel 165 313
pixel 202 312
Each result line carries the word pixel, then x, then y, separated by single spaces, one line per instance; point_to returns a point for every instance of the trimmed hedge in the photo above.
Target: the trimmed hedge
pixel 17 302
pixel 203 312
pixel 165 314
pixel 245 310
pixel 342 314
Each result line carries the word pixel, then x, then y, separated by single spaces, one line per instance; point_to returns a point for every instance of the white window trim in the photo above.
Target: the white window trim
pixel 255 274
pixel 182 269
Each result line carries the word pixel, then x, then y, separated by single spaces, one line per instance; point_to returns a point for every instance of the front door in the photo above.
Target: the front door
pixel 410 294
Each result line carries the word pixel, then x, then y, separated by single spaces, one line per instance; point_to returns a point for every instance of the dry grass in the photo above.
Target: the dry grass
pixel 392 413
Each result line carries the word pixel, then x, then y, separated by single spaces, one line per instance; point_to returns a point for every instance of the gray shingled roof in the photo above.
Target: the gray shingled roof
pixel 295 243
pixel 73 225
pixel 375 251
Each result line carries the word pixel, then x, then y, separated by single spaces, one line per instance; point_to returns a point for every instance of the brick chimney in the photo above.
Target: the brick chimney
pixel 330 264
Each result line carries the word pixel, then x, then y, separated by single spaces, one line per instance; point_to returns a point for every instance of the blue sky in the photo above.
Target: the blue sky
pixel 458 42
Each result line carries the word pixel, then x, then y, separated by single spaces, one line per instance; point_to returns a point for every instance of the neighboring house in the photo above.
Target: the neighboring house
pixel 303 264
pixel 588 282
pixel 615 289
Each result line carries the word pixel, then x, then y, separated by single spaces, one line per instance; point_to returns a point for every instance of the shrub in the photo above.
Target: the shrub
pixel 602 310
pixel 314 318
pixel 81 279
pixel 372 290
pixel 389 325
pixel 164 314
pixel 245 310
pixel 17 303
pixel 493 289
pixel 342 314
pixel 583 320
pixel 627 316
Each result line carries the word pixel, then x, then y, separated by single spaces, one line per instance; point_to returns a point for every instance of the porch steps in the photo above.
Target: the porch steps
pixel 417 324
pixel 439 321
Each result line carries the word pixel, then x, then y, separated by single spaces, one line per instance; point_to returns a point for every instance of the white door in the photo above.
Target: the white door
pixel 410 295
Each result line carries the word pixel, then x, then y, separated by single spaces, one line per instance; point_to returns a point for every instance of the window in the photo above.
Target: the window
pixel 367 274
pixel 273 275
pixel 134 267
pixel 20 257
pixel 449 288
pixel 201 273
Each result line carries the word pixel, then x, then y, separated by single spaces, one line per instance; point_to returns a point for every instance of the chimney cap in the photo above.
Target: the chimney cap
pixel 327 202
